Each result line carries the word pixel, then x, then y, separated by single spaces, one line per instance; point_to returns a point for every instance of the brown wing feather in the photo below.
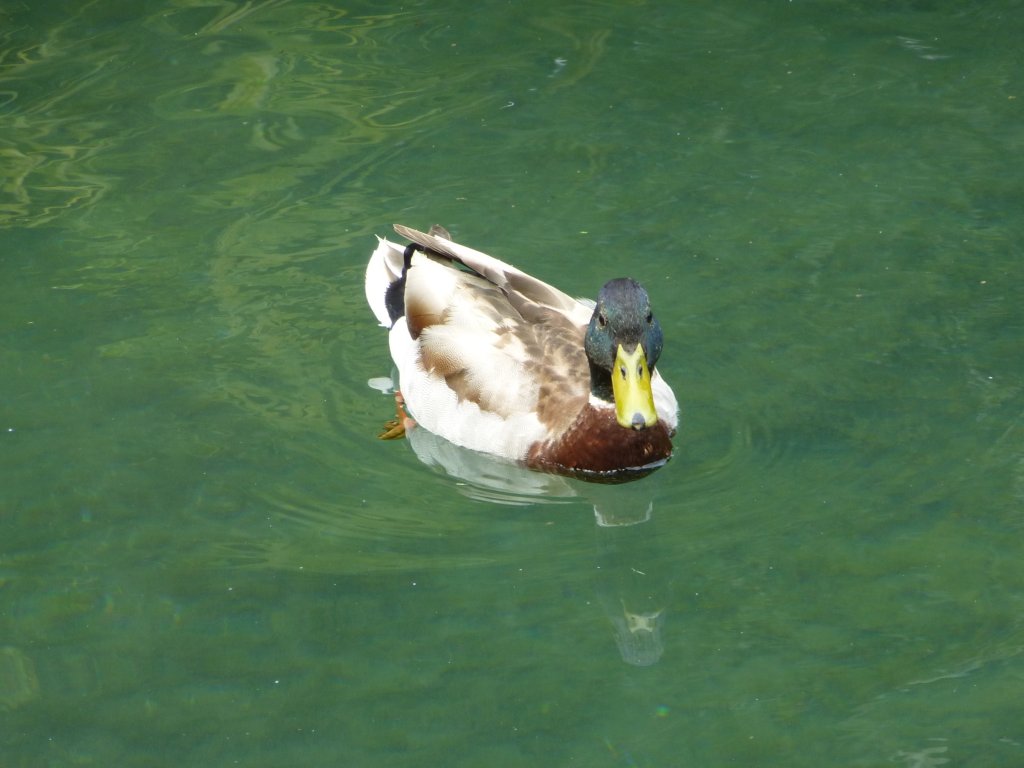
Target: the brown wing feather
pixel 531 317
pixel 522 289
pixel 564 375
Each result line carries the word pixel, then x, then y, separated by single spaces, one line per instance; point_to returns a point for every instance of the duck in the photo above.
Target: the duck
pixel 495 360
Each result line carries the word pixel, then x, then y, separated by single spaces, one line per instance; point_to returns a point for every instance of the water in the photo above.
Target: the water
pixel 206 558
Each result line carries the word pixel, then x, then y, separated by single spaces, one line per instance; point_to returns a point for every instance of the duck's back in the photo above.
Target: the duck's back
pixel 491 363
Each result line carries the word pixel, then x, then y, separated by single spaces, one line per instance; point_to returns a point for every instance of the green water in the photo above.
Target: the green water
pixel 206 557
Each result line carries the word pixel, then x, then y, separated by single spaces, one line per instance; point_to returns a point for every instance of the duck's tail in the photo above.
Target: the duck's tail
pixel 383 272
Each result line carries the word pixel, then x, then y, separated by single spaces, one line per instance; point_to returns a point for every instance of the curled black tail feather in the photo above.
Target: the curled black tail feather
pixel 394 296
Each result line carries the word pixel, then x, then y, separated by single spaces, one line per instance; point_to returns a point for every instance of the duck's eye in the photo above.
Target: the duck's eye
pixel 601 319
pixel 650 317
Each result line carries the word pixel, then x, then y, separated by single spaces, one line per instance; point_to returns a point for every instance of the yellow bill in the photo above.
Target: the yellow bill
pixel 631 385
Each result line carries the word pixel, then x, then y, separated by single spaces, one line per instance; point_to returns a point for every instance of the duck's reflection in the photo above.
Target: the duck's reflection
pixel 631 588
pixel 632 592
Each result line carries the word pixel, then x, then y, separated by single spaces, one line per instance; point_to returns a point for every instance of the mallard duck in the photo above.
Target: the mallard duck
pixel 497 361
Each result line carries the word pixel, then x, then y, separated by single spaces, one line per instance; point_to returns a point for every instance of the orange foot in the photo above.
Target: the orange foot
pixel 395 428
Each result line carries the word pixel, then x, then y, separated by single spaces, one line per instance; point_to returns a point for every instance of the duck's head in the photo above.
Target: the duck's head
pixel 623 344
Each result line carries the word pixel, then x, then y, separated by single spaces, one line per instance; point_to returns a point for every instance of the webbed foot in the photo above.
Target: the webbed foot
pixel 395 429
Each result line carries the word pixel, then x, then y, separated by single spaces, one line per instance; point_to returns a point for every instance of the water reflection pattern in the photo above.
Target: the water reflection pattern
pixel 204 555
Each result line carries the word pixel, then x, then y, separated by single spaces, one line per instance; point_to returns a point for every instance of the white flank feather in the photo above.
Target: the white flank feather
pixel 436 407
pixel 665 401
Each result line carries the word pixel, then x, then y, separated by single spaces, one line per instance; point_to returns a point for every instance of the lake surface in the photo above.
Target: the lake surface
pixel 207 557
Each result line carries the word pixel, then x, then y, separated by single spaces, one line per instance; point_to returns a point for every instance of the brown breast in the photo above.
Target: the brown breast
pixel 596 443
